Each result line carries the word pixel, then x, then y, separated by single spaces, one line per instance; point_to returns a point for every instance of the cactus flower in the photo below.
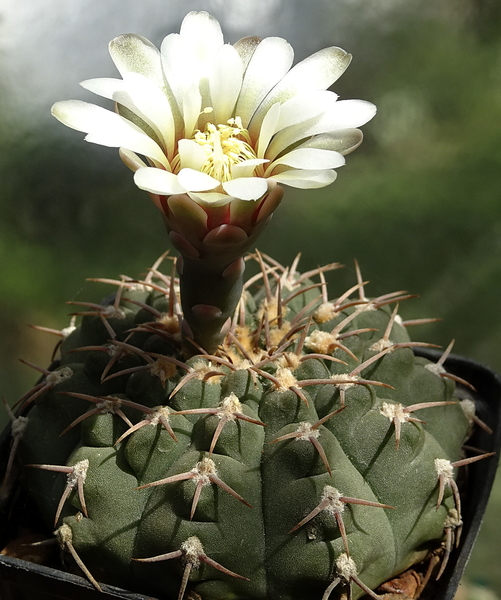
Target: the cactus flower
pixel 211 130
pixel 221 122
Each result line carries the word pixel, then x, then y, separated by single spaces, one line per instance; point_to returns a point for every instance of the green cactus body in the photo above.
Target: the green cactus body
pixel 285 467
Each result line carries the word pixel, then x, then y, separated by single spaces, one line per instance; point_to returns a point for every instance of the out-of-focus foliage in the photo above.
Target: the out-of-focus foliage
pixel 419 205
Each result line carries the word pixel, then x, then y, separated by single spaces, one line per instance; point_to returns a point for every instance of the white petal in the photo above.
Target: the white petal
pixel 246 168
pixel 131 159
pixel 246 47
pixel 195 181
pixel 344 114
pixel 107 128
pixel 347 114
pixel 268 129
pixel 130 141
pixel 135 54
pixel 186 58
pixel 115 89
pixel 158 181
pixel 192 155
pixel 192 107
pixel 107 87
pixel 269 63
pixel 203 33
pixel 83 116
pixel 311 158
pixel 180 66
pixel 306 179
pixel 304 107
pixel 143 98
pixel 246 188
pixel 212 198
pixel 343 141
pixel 317 72
pixel 154 107
pixel 225 81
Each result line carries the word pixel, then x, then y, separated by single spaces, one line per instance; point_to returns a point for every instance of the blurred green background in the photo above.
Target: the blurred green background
pixel 419 204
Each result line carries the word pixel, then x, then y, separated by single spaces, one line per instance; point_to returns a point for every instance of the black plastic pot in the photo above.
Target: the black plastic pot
pixel 22 580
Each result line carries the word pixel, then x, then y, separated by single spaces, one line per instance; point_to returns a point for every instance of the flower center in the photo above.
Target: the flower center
pixel 225 146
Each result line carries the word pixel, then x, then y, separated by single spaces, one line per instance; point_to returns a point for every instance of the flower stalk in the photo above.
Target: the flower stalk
pixel 211 266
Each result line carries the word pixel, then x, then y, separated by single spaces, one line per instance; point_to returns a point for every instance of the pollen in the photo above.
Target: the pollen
pixel 225 146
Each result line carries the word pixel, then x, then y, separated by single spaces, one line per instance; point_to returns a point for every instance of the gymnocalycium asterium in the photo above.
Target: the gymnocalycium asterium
pixel 206 438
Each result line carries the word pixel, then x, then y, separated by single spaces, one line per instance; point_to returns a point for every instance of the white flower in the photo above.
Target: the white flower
pixel 221 122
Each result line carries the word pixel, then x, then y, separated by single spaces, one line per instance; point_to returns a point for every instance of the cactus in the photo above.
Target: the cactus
pixel 203 439
pixel 309 454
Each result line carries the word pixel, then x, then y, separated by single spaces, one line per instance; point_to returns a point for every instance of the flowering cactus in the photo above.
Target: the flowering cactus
pixel 251 444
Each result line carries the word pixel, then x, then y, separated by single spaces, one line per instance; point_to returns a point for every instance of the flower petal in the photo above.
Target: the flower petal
pixel 212 198
pixel 154 107
pixel 344 114
pixel 246 188
pixel 311 158
pixel 107 87
pixel 158 181
pixel 225 81
pixel 131 159
pixel 268 129
pixel 270 61
pixel 195 181
pixel 246 47
pixel 192 155
pixel 135 54
pixel 349 113
pixel 305 179
pixel 317 72
pixel 203 32
pixel 180 66
pixel 186 59
pixel 107 128
pixel 343 141
pixel 192 107
pixel 246 167
pixel 303 107
pixel 116 90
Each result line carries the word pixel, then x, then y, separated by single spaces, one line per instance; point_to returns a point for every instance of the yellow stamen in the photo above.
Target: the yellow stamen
pixel 225 146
